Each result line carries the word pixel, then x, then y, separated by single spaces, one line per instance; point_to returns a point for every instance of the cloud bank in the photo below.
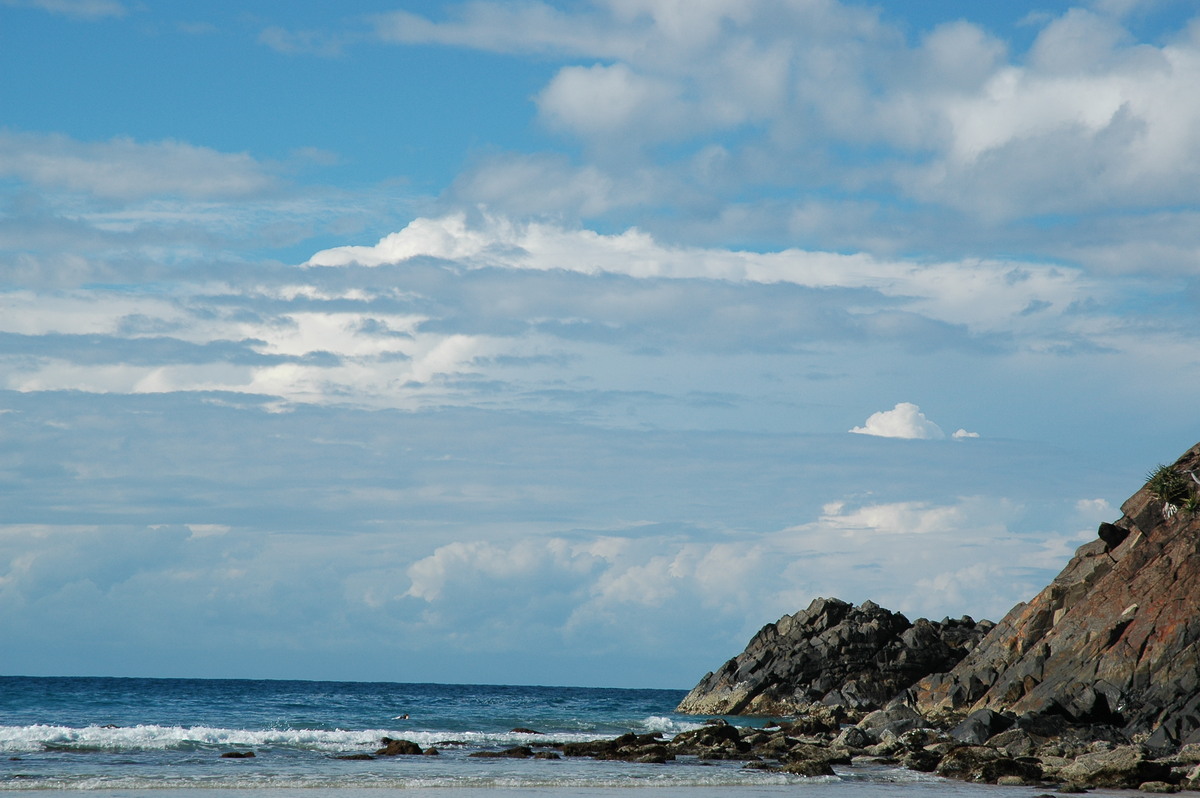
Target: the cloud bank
pixel 539 368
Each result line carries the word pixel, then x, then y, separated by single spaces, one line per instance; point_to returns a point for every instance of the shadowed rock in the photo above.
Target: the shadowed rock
pixel 833 654
pixel 398 748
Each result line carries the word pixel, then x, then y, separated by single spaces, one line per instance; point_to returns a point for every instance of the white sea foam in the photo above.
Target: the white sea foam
pixel 18 739
pixel 23 739
pixel 667 725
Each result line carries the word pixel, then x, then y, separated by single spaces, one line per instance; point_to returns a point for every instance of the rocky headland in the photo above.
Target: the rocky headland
pixel 1094 682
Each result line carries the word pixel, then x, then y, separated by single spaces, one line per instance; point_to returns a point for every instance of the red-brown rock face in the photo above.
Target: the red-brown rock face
pixel 1115 638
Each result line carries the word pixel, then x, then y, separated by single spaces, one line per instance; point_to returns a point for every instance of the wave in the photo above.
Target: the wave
pixel 671 726
pixel 40 737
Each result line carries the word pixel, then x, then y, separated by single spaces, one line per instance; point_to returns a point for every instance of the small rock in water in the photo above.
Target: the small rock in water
pixel 516 752
pixel 398 748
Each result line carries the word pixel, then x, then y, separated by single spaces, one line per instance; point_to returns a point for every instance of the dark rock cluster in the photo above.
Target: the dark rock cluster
pixel 836 654
pixel 1013 750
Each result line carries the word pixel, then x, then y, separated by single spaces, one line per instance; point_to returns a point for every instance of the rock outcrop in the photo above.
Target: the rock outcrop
pixel 832 654
pixel 1114 639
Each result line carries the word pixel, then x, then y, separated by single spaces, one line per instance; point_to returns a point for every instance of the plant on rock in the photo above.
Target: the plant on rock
pixel 1169 487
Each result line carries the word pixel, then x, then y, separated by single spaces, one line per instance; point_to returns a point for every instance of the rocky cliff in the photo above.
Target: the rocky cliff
pixel 1112 642
pixel 832 653
pixel 1114 638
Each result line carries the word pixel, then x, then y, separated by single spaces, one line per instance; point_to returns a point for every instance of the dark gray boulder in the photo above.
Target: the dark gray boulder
pixel 981 726
pixel 398 748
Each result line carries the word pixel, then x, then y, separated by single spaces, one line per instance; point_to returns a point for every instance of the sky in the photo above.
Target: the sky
pixel 572 342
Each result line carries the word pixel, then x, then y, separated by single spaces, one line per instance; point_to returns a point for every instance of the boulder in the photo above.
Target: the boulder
pixel 808 767
pixel 1126 766
pixel 398 748
pixel 1015 743
pixel 985 764
pixel 516 752
pixel 981 725
pixel 1158 786
pixel 854 737
pixel 894 720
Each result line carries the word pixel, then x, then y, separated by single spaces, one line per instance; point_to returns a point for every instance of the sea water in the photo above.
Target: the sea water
pixel 165 737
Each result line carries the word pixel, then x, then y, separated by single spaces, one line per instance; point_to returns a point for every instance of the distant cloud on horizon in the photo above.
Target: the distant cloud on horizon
pixel 906 420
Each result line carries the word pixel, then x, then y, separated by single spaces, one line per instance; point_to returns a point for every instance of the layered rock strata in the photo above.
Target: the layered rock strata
pixel 1114 639
pixel 836 654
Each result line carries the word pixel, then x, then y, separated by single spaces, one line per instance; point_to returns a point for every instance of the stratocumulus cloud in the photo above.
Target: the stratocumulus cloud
pixel 981 294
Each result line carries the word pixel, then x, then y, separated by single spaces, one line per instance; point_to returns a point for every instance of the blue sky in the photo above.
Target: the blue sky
pixel 570 343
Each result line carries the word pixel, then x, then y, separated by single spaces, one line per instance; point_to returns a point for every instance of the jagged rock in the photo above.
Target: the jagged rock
pixel 398 748
pixel 981 725
pixel 1114 640
pixel 855 737
pixel 1015 743
pixel 894 720
pixel 832 653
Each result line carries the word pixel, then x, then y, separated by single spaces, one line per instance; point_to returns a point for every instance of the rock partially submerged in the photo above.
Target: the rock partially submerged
pixel 836 654
pixel 1064 763
pixel 393 747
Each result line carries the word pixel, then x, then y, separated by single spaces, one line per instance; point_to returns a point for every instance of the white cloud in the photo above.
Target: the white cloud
pixel 601 101
pixel 78 9
pixel 125 169
pixel 306 42
pixel 981 294
pixel 905 420
pixel 1088 118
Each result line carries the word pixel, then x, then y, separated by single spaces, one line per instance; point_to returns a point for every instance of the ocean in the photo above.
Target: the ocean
pixel 153 738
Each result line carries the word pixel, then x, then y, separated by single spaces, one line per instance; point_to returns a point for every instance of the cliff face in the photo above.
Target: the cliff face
pixel 832 653
pixel 1114 639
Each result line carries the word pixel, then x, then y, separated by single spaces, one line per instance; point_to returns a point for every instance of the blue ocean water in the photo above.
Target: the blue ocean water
pixel 149 737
